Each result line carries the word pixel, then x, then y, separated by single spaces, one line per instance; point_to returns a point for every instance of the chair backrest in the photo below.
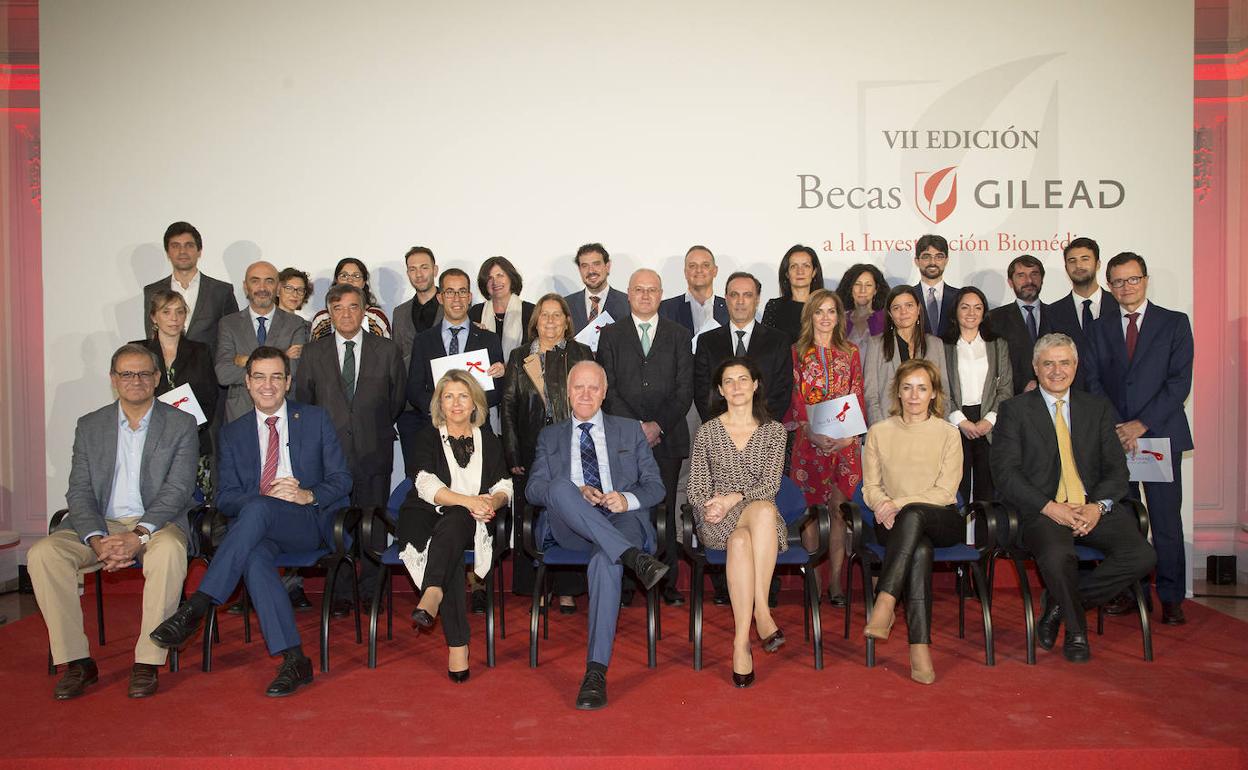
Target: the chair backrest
pixel 397 497
pixel 790 500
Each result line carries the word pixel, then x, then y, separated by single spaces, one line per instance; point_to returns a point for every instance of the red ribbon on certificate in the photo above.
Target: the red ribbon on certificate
pixel 180 402
pixel 474 366
pixel 1156 455
pixel 844 411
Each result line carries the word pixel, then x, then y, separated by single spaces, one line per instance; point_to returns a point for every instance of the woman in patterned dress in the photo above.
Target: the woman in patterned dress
pixel 734 475
pixel 354 272
pixel 825 366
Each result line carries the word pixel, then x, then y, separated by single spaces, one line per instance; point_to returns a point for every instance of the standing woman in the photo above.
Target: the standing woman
pixel 825 366
pixel 508 317
pixel 535 394
pixel 902 340
pixel 800 274
pixel 862 290
pixel 353 271
pixel 980 378
pixel 914 456
pixel 294 287
pixel 461 481
pixel 734 475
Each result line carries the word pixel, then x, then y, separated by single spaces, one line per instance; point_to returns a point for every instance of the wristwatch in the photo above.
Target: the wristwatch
pixel 1104 508
pixel 144 535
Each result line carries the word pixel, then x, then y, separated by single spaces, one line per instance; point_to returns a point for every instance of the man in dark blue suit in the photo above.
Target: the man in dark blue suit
pixel 597 479
pixel 931 256
pixel 594 264
pixel 1074 314
pixel 282 475
pixel 1023 321
pixel 699 303
pixel 1143 357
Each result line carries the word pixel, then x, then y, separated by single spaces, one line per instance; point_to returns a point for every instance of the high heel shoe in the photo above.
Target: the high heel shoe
pixel 922 671
pixel 422 620
pixel 459 677
pixel 775 641
pixel 878 633
pixel 745 680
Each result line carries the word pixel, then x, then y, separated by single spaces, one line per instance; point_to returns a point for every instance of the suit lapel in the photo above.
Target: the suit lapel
pixel 1150 327
pixel 201 302
pixel 294 435
pixel 990 382
pixel 1043 422
pixel 613 450
pixel 155 426
pixel 108 454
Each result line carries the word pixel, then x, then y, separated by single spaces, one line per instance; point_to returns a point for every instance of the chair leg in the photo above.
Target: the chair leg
pixel 355 592
pixel 534 613
pixel 374 608
pixel 489 622
pixel 1146 630
pixel 327 601
pixel 502 603
pixel 174 663
pixel 990 653
pixel 849 590
pixel 868 601
pixel 1100 621
pixel 1029 612
pixel 652 626
pixel 389 611
pixel 695 614
pixel 812 606
pixel 246 599
pixel 210 634
pixel 99 603
pixel 962 587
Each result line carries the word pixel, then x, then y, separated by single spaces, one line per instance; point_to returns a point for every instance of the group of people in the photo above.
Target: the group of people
pixel 1034 405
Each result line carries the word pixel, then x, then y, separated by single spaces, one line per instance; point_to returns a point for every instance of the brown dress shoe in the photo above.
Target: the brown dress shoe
pixel 79 674
pixel 142 680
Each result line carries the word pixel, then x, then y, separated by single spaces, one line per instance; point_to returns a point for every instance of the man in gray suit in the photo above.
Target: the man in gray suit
pixel 410 318
pixel 207 299
pixel 594 264
pixel 262 322
pixel 130 487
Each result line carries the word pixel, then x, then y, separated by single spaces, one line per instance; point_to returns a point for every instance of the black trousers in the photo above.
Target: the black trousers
pixel 447 537
pixel 908 560
pixel 976 473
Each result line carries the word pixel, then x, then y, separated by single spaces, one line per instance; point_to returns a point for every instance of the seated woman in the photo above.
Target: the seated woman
pixel 734 475
pixel 461 481
pixel 353 272
pixel 914 456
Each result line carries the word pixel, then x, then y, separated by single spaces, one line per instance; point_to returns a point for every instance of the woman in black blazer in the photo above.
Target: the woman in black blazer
pixel 461 483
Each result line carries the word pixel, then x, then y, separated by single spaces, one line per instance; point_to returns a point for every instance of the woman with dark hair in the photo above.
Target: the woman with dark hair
pixel 800 274
pixel 734 475
pixel 353 272
pixel 902 340
pixel 535 394
pixel 294 287
pixel 980 378
pixel 862 290
pixel 500 284
pixel 914 458
pixel 825 366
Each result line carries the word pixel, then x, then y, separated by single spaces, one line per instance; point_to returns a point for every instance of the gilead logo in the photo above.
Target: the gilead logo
pixel 936 193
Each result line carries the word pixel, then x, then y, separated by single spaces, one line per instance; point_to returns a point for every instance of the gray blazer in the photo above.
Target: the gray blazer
pixel 998 385
pixel 877 375
pixel 216 300
pixel 238 338
pixel 167 469
pixel 403 331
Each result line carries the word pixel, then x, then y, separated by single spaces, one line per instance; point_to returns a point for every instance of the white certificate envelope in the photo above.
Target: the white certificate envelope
pixel 711 323
pixel 1151 462
pixel 182 397
pixel 837 418
pixel 475 362
pixel 589 335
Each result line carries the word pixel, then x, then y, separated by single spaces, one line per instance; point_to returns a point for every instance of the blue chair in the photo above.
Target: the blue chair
pixel 793 509
pixel 867 553
pixel 389 561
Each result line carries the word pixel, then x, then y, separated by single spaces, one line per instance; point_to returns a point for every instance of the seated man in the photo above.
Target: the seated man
pixel 597 479
pixel 1057 460
pixel 282 475
pixel 130 487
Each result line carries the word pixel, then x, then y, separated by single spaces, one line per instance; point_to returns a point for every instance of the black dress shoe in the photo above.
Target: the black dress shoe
pixel 567 609
pixel 836 600
pixel 340 608
pixel 143 680
pixel 1046 629
pixel 721 600
pixel 79 674
pixel 1172 614
pixel 422 620
pixel 292 674
pixel 299 600
pixel 775 641
pixel 478 602
pixel 673 598
pixel 178 629
pixel 234 609
pixel 626 597
pixel 593 692
pixel 649 570
pixel 1120 604
pixel 459 677
pixel 1076 648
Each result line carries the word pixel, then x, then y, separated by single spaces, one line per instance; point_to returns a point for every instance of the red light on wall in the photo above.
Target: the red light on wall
pixel 19 77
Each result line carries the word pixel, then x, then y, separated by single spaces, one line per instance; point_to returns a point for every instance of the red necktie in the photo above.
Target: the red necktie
pixel 593 307
pixel 269 473
pixel 1133 334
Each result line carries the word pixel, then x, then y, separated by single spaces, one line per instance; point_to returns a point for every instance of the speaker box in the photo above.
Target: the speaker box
pixel 1221 570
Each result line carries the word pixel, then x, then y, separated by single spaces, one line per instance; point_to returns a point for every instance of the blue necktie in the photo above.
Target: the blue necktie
pixel 1087 315
pixel 589 461
pixel 1031 322
pixel 454 349
pixel 262 333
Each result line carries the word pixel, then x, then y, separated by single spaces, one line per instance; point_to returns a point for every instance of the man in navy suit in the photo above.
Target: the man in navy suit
pixel 594 264
pixel 698 304
pixel 1143 357
pixel 597 479
pixel 1023 321
pixel 931 256
pixel 283 475
pixel 1074 314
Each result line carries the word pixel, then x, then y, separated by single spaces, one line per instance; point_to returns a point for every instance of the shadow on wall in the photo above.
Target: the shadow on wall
pixel 74 398
pixel 146 263
pixel 238 256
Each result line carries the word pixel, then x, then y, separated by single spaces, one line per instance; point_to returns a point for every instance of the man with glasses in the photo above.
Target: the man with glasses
pixel 931 256
pixel 207 299
pixel 283 475
pixel 130 487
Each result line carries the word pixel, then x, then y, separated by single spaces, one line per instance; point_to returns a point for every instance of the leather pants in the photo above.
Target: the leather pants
pixel 908 560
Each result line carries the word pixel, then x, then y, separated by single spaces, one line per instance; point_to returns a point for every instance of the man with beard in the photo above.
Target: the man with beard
pixel 594 264
pixel 931 256
pixel 1023 321
pixel 410 318
pixel 207 299
pixel 1074 314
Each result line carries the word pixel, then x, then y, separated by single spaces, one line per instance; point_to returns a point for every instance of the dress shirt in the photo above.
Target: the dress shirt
pixel 283 435
pixel 700 311
pixel 602 301
pixel 926 291
pixel 190 294
pixel 1022 310
pixel 1050 403
pixel 126 499
pixel 599 435
pixel 972 371
pixel 464 481
pixel 1096 304
pixel 341 343
pixel 654 325
pixel 732 335
pixel 268 320
pixel 1139 322
pixel 463 334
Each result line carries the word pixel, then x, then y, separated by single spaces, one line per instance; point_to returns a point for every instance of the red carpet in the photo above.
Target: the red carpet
pixel 1186 709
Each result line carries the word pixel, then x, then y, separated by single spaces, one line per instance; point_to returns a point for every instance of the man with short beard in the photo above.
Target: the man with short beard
pixel 594 264
pixel 410 318
pixel 1023 321
pixel 207 299
pixel 1074 314
pixel 931 256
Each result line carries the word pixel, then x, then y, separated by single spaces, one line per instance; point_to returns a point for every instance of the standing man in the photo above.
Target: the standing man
pixel 207 299
pixel 262 322
pixel 412 317
pixel 597 480
pixel 649 368
pixel 130 488
pixel 1143 363
pixel 282 477
pixel 1024 320
pixel 594 264
pixel 1074 314
pixel 698 304
pixel 931 256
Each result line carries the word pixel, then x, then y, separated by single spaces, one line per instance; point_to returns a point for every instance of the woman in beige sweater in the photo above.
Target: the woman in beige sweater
pixel 913 458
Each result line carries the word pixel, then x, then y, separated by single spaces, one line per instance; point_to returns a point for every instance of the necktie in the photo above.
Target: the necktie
pixel 740 351
pixel 268 474
pixel 1031 322
pixel 454 350
pixel 1069 487
pixel 1086 323
pixel 593 307
pixel 262 333
pixel 348 371
pixel 645 339
pixel 933 311
pixel 589 461
pixel 1133 334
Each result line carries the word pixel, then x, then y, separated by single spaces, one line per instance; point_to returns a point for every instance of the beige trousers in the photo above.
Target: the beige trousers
pixel 56 563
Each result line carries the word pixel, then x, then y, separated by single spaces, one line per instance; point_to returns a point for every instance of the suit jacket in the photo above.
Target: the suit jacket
pixel 192 365
pixel 238 338
pixel 405 330
pixel 946 308
pixel 524 412
pixel 216 301
pixel 428 345
pixel 430 458
pixel 315 459
pixel 768 348
pixel 1026 466
pixel 365 424
pixel 616 305
pixel 167 469
pixel 657 387
pixel 877 375
pixel 998 384
pixel 678 310
pixel 1007 322
pixel 1156 382
pixel 1063 318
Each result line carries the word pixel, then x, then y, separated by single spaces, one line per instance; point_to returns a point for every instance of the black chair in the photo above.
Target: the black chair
pixel 1008 534
pixel 389 561
pixel 792 505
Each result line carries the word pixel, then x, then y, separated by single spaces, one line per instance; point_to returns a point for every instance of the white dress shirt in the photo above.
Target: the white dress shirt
pixel 268 321
pixel 598 434
pixel 283 434
pixel 972 372
pixel 1139 322
pixel 1095 308
pixel 732 335
pixel 341 342
pixel 1022 310
pixel 700 311
pixel 190 294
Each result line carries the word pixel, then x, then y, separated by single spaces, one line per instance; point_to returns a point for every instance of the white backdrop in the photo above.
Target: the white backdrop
pixel 301 131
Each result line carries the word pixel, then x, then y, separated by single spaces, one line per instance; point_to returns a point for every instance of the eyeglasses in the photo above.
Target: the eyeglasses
pixel 259 379
pixel 297 290
pixel 132 376
pixel 457 292
pixel 1134 280
pixel 345 276
pixel 931 258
